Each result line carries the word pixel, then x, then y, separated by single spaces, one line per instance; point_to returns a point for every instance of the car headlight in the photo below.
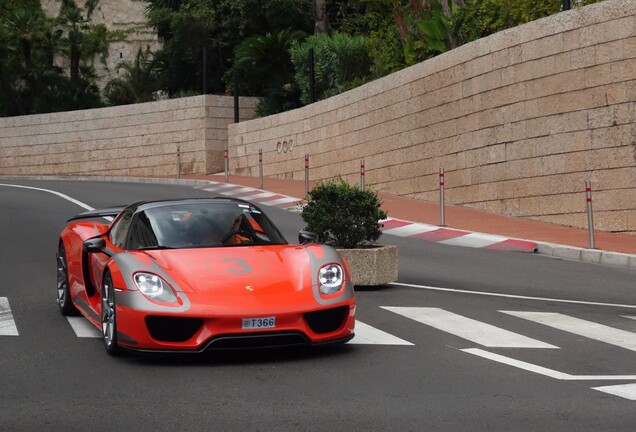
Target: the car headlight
pixel 154 287
pixel 331 278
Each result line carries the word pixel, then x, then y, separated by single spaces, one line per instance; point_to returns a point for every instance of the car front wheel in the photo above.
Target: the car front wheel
pixel 63 291
pixel 109 316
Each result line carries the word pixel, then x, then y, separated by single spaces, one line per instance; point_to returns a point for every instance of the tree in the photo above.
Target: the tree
pixel 263 67
pixel 187 27
pixel 341 63
pixel 480 18
pixel 137 83
pixel 372 19
pixel 33 50
pixel 424 28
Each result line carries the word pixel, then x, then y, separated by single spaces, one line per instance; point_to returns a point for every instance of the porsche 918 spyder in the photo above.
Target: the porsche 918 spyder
pixel 199 274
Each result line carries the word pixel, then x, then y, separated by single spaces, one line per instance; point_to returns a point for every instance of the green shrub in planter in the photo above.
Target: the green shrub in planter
pixel 343 215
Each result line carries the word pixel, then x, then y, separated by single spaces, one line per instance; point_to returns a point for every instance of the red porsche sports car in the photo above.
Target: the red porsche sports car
pixel 196 274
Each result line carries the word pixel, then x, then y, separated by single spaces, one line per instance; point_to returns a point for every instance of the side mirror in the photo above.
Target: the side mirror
pixel 94 245
pixel 307 237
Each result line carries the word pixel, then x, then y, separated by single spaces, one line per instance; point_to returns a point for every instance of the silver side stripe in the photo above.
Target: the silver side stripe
pixel 588 329
pixel 7 324
pixel 470 329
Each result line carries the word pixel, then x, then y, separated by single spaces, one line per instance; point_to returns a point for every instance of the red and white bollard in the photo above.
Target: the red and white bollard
pixel 226 164
pixel 306 174
pixel 361 174
pixel 442 221
pixel 590 217
pixel 178 162
pixel 260 168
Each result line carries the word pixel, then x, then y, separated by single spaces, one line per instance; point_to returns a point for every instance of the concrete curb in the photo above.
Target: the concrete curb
pixel 594 256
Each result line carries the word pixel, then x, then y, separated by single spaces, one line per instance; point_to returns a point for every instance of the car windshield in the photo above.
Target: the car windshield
pixel 205 224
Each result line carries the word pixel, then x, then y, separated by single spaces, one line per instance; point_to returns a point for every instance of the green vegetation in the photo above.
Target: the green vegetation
pixel 48 64
pixel 341 62
pixel 343 215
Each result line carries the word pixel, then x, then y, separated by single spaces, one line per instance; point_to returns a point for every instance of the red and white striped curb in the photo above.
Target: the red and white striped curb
pixel 397 227
pixel 256 196
pixel 454 237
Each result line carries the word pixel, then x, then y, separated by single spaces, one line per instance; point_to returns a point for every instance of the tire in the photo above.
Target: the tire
pixel 63 290
pixel 109 316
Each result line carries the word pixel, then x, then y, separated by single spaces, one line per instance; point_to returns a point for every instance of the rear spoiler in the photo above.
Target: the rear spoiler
pixel 99 213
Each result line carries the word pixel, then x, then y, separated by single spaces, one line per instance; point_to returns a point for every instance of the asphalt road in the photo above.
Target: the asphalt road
pixel 431 377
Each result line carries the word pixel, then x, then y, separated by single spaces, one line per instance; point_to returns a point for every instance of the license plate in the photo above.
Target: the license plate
pixel 259 323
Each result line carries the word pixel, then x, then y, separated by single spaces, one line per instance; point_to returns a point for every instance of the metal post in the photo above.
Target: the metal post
pixel 306 174
pixel 226 164
pixel 590 218
pixel 442 221
pixel 312 77
pixel 204 77
pixel 178 162
pixel 361 174
pixel 566 5
pixel 236 99
pixel 260 168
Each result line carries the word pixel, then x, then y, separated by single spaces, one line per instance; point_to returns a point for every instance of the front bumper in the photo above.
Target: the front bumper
pixel 199 329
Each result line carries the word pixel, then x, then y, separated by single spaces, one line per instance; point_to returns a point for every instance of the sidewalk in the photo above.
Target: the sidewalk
pixel 555 240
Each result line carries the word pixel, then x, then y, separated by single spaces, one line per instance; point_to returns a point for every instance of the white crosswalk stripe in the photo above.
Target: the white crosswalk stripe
pixel 626 391
pixel 7 324
pixel 577 326
pixel 367 335
pixel 83 328
pixel 470 329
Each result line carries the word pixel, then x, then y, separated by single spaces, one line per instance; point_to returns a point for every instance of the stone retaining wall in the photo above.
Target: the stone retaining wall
pixel 131 140
pixel 123 15
pixel 518 120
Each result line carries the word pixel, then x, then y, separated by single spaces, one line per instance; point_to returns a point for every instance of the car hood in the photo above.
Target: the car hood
pixel 230 271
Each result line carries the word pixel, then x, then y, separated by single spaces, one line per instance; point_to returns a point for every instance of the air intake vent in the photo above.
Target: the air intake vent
pixel 172 329
pixel 327 320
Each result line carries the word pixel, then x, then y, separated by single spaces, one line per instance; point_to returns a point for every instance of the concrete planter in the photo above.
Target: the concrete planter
pixel 372 265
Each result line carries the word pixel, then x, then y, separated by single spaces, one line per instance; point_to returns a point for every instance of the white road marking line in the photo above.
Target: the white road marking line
pixel 630 317
pixel 279 201
pixel 487 294
pixel 239 191
pixel 66 197
pixel 7 324
pixel 83 328
pixel 409 230
pixel 517 363
pixel 588 329
pixel 261 195
pixel 627 391
pixel 467 328
pixel 544 371
pixel 219 186
pixel 475 240
pixel 368 335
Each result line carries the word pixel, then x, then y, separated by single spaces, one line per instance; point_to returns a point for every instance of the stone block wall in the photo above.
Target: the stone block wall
pixel 131 140
pixel 519 120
